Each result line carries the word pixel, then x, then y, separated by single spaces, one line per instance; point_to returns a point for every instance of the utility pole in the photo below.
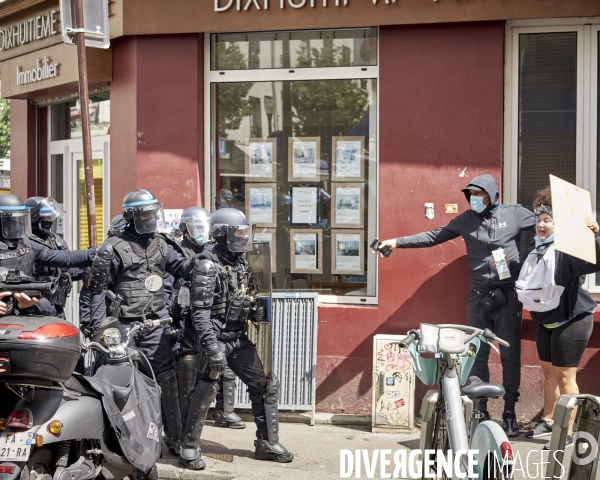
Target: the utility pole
pixel 84 101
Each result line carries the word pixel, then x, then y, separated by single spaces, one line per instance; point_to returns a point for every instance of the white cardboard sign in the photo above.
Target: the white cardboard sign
pixel 572 209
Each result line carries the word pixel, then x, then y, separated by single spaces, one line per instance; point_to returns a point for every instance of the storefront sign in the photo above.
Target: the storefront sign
pixel 241 5
pixel 43 70
pixel 29 30
pixel 54 69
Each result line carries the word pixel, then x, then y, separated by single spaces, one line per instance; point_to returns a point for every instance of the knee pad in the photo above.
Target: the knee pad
pixel 228 375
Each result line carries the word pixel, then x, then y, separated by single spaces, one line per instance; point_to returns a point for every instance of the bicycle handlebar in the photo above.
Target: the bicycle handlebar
pixel 473 332
pixel 410 338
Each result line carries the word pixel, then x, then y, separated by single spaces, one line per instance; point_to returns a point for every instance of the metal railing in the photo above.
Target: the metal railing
pixel 293 328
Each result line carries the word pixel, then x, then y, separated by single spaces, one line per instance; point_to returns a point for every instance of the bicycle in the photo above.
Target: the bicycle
pixel 450 417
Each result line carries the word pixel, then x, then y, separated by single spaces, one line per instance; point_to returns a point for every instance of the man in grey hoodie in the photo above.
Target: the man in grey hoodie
pixel 485 228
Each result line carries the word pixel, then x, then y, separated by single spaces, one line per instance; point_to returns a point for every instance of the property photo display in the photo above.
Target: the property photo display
pixel 305 205
pixel 261 207
pixel 261 155
pixel 268 235
pixel 347 205
pixel 348 159
pixel 347 252
pixel 304 159
pixel 306 249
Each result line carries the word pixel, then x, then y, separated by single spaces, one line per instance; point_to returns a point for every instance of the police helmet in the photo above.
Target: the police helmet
pixel 142 209
pixel 14 217
pixel 229 226
pixel 195 221
pixel 44 209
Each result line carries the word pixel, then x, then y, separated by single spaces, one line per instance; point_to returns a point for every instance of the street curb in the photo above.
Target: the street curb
pixel 304 417
pixel 170 472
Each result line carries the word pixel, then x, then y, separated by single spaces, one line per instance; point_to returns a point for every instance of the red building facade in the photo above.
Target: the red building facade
pixel 444 91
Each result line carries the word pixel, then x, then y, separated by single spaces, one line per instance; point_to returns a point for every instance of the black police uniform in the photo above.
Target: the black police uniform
pixel 177 299
pixel 185 348
pixel 64 278
pixel 220 316
pixel 130 259
pixel 26 255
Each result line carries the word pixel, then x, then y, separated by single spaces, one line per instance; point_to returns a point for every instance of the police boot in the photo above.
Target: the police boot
pixel 224 414
pixel 189 447
pixel 171 408
pixel 186 377
pixel 267 446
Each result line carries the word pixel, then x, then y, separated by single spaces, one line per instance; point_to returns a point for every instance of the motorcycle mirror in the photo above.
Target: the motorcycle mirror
pixel 112 336
pixel 153 283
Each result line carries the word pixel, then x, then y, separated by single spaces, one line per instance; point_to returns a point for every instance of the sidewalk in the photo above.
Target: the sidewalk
pixel 229 453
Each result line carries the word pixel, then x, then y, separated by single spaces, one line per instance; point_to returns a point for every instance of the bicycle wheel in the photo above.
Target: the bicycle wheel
pixel 440 440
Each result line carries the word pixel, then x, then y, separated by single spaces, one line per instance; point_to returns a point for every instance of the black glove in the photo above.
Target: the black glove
pixel 216 358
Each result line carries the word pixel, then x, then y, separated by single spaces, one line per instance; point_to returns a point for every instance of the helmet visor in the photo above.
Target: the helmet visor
pixel 49 210
pixel 197 229
pixel 239 238
pixel 149 218
pixel 15 224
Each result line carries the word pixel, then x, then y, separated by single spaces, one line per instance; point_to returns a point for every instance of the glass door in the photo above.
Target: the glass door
pixel 67 186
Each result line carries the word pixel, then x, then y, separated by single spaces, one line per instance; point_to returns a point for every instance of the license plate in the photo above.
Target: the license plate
pixel 15 447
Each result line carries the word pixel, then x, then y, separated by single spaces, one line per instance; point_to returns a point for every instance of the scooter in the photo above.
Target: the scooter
pixel 62 427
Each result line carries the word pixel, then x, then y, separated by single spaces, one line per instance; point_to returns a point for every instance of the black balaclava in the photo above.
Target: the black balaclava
pixel 223 249
pixel 47 226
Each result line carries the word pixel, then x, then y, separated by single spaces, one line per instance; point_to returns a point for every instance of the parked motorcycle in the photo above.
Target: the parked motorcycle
pixel 69 427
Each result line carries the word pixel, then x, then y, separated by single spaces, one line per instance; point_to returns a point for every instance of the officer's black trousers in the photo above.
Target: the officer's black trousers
pixel 505 322
pixel 243 360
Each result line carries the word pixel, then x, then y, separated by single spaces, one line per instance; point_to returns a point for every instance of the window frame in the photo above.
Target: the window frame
pixel 282 75
pixel 586 172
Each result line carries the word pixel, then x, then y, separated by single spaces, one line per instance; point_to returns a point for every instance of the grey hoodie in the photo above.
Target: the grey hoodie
pixel 497 226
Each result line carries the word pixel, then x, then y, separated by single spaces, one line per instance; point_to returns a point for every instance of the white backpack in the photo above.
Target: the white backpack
pixel 536 288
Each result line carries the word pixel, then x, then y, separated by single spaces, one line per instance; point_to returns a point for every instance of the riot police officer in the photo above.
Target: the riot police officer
pixel 221 307
pixel 43 213
pixel 122 265
pixel 18 252
pixel 195 226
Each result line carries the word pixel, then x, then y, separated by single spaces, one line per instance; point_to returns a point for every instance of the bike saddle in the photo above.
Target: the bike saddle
pixel 479 389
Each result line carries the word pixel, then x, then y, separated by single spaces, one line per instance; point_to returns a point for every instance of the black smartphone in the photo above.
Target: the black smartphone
pixel 385 251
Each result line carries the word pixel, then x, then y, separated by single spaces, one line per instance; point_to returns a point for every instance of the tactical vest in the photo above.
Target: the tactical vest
pixel 21 258
pixel 234 304
pixel 43 273
pixel 139 264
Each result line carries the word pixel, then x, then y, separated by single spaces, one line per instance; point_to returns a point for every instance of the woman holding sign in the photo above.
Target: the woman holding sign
pixel 549 286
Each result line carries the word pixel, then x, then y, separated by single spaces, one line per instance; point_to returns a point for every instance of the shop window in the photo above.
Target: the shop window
pixel 301 49
pixel 302 165
pixel 552 110
pixel 66 117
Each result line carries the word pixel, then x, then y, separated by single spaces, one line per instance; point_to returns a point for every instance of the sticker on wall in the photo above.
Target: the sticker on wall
pixel 429 211
pixel 451 208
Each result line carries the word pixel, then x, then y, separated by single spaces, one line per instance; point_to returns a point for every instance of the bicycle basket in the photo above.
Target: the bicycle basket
pixel 467 359
pixel 425 368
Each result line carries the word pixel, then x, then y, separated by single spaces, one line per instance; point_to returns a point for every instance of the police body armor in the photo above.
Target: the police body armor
pixel 21 258
pixel 139 264
pixel 235 304
pixel 180 297
pixel 62 279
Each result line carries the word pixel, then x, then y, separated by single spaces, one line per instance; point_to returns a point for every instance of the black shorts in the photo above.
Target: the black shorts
pixel 564 346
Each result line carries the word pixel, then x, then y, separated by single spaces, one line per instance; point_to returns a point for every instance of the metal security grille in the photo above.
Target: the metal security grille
pixel 294 330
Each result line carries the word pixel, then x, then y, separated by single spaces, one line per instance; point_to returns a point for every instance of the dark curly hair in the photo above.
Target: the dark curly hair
pixel 544 197
pixel 543 202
